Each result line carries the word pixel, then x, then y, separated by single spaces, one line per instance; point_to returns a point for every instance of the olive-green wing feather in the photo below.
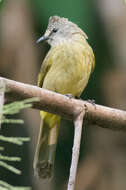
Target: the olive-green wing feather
pixel 44 69
pixel 93 63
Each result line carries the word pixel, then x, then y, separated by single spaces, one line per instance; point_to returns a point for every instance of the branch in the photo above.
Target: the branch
pixel 78 123
pixel 68 108
pixel 2 90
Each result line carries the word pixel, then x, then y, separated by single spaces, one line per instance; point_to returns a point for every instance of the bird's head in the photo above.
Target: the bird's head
pixel 61 30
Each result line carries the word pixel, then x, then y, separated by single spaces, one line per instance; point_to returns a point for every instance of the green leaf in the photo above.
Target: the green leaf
pixel 5 186
pixel 15 140
pixel 9 167
pixel 8 158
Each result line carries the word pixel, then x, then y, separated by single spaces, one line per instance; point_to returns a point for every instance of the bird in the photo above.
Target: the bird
pixel 66 70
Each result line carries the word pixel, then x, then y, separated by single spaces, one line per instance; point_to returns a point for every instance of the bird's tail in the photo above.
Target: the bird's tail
pixel 46 145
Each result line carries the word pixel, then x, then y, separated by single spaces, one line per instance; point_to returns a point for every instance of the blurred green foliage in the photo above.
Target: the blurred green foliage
pixel 1 3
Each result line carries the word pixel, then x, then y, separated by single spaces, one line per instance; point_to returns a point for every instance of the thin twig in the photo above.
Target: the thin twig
pixel 78 122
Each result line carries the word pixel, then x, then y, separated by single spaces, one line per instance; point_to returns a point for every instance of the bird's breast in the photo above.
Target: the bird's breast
pixel 71 68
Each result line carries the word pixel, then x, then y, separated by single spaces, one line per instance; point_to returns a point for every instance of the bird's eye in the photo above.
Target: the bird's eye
pixel 54 30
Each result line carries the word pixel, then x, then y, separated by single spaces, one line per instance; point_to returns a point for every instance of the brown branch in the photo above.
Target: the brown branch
pixel 68 108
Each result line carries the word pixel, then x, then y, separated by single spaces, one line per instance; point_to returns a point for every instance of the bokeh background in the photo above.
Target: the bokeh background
pixel 103 152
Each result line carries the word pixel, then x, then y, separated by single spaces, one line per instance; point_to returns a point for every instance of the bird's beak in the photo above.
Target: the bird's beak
pixel 44 37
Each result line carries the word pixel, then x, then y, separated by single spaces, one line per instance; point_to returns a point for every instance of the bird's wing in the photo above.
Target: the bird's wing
pixel 44 69
pixel 93 63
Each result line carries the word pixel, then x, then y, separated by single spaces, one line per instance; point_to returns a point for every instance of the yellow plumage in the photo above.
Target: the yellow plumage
pixel 66 69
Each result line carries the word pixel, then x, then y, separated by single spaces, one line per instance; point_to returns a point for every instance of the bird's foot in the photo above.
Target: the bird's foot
pixel 92 102
pixel 69 96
